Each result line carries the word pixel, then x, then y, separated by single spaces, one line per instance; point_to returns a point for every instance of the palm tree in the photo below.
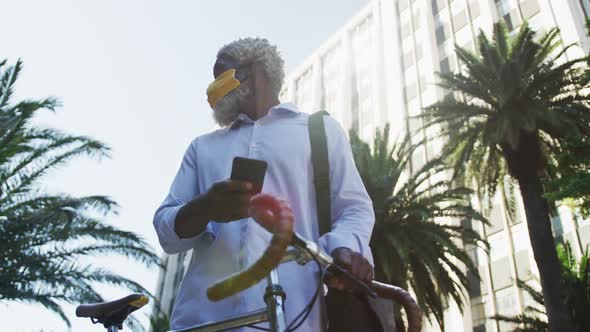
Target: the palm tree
pixel 571 181
pixel 43 237
pixel 411 246
pixel 577 280
pixel 160 322
pixel 519 100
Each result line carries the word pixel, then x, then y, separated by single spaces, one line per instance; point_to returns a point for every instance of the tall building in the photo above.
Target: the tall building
pixel 355 75
pixel 380 67
pixel 169 280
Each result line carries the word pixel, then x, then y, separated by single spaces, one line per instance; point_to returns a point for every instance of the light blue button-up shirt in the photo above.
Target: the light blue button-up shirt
pixel 281 138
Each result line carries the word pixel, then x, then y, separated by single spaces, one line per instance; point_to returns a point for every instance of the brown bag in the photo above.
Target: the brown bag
pixel 346 312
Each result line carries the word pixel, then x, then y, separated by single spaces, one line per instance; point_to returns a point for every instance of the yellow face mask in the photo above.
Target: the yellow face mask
pixel 222 85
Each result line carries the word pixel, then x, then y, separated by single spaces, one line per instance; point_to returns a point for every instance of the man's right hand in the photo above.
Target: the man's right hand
pixel 225 201
pixel 229 200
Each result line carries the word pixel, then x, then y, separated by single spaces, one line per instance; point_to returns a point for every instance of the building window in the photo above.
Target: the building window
pixel 478 314
pixel 304 90
pixel 438 5
pixel 496 220
pixel 498 247
pixel 506 303
pixel 474 9
pixel 529 8
pixel 422 80
pixel 406 30
pixel 411 91
pixel 528 300
pixel 584 234
pixel 355 108
pixel 479 328
pixel 415 125
pixel 402 5
pixel 523 265
pixel 419 52
pixel 585 8
pixel 460 20
pixel 517 217
pixel 418 159
pixel 417 20
pixel 442 33
pixel 512 20
pixel 408 59
pixel 445 66
pixel 331 85
pixel 474 284
pixel 501 275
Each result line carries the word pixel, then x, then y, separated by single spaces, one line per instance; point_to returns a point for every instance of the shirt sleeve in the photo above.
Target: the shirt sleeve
pixel 183 189
pixel 351 207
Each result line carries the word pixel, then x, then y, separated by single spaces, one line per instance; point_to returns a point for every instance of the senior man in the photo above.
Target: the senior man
pixel 207 212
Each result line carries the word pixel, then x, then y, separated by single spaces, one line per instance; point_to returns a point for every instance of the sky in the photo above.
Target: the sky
pixel 133 74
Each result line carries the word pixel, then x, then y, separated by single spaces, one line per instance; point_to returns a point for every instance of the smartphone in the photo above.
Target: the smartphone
pixel 251 170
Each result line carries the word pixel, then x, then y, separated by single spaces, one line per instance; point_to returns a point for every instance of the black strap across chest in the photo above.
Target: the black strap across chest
pixel 321 169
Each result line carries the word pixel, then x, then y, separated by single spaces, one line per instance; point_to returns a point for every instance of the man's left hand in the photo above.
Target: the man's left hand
pixel 355 263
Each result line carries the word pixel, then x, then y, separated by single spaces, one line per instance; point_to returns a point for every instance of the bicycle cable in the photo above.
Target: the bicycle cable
pixel 258 327
pixel 307 309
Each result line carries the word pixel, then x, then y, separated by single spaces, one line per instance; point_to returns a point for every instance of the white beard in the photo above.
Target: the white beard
pixel 227 109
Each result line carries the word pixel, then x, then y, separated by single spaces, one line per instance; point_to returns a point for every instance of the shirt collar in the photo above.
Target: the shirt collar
pixel 283 108
pixel 288 108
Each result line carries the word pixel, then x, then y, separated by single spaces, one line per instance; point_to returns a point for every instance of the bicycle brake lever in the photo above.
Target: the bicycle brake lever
pixel 337 270
pixel 327 262
pixel 312 248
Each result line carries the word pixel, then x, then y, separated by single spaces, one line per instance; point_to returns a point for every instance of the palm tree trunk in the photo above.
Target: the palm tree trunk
pixel 543 245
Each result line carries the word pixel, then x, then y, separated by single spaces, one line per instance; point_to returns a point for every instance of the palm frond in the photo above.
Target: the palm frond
pixel 411 245
pixel 43 237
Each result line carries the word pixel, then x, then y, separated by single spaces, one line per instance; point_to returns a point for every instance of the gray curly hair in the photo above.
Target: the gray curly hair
pixel 250 49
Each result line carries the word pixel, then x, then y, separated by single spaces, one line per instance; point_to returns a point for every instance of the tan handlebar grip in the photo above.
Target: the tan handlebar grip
pixel 237 282
pixel 406 300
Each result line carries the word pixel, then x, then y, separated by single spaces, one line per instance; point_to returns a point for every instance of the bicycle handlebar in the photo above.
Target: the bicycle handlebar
pixel 397 294
pixel 403 297
pixel 271 258
pixel 283 236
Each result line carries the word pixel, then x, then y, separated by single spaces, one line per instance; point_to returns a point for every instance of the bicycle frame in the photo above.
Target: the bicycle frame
pixel 273 313
pixel 274 297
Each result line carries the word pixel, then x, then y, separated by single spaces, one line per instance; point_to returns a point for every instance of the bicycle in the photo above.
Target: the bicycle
pixel 302 251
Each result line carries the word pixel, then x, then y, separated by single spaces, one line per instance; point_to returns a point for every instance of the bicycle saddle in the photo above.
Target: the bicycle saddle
pixel 112 313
